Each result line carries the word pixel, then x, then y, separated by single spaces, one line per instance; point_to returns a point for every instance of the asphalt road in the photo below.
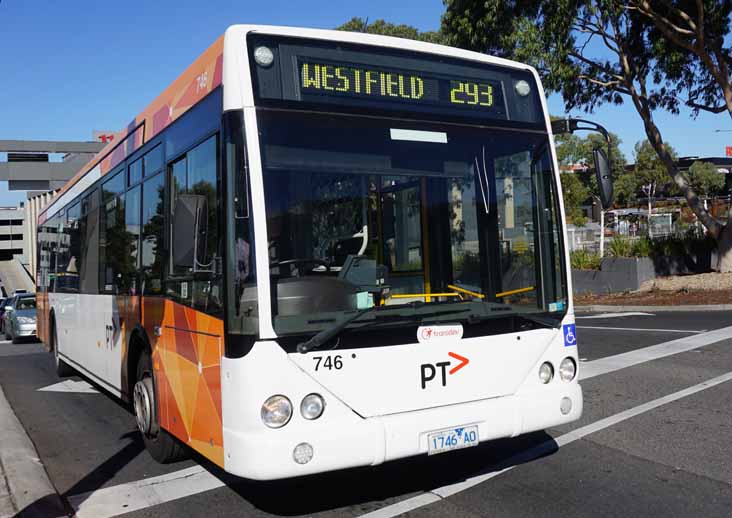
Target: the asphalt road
pixel 654 440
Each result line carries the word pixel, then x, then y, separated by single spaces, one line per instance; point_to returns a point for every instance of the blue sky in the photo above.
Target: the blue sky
pixel 69 68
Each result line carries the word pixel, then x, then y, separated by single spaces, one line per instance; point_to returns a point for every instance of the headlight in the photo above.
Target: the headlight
pixel 567 369
pixel 546 372
pixel 276 411
pixel 312 406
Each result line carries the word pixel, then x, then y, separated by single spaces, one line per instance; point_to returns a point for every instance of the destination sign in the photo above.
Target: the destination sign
pixel 397 86
pixel 363 79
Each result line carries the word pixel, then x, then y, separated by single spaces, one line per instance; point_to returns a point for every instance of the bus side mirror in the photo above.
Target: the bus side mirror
pixel 190 222
pixel 604 178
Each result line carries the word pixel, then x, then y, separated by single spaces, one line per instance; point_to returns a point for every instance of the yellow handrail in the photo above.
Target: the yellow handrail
pixel 515 292
pixel 467 292
pixel 423 295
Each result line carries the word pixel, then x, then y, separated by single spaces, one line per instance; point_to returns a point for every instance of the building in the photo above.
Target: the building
pixel 40 168
pixel 12 220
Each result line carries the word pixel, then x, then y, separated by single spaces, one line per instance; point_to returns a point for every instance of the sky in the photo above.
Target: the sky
pixel 70 67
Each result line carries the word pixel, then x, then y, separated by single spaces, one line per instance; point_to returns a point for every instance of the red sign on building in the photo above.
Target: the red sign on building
pixel 728 151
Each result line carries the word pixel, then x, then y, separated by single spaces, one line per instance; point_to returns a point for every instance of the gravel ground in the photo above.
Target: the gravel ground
pixel 705 288
pixel 703 281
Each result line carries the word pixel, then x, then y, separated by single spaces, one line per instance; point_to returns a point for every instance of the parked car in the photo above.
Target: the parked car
pixel 2 310
pixel 20 318
pixel 6 303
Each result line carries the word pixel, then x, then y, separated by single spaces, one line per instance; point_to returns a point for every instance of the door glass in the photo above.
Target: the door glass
pixel 465 246
pixel 402 232
pixel 516 214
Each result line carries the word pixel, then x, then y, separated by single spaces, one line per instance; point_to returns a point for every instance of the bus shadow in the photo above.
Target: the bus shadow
pixel 108 469
pixel 367 488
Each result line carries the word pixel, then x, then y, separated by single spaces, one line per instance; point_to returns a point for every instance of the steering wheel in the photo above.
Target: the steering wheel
pixel 289 262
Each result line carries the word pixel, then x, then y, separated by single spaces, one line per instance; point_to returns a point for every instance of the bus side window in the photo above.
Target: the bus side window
pixel 196 173
pixel 114 256
pixel 151 250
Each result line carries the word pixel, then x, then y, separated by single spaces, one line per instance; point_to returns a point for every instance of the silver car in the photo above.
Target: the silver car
pixel 20 318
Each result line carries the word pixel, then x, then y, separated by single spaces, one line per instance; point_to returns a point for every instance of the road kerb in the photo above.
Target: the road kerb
pixel 31 491
pixel 651 309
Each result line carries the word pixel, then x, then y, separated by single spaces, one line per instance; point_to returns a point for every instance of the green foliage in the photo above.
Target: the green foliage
pixel 641 248
pixel 705 179
pixel 385 28
pixel 575 194
pixel 584 260
pixel 648 167
pixel 670 246
pixel 575 149
pixel 620 246
pixel 552 36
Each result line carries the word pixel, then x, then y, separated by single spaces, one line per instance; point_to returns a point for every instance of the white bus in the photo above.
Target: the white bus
pixel 318 250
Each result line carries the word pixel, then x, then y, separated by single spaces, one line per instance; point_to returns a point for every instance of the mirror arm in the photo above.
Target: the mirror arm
pixel 570 125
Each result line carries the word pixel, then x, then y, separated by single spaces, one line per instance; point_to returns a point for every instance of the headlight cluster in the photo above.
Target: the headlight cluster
pixel 277 410
pixel 567 370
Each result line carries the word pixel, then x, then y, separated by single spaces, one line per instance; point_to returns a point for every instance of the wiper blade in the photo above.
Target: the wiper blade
pixel 326 334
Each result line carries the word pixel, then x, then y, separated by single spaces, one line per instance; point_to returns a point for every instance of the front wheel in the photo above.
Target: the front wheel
pixel 162 446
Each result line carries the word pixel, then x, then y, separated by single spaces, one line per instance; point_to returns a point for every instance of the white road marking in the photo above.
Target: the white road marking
pixel 532 453
pixel 125 498
pixel 141 494
pixel 617 315
pixel 688 331
pixel 654 352
pixel 81 387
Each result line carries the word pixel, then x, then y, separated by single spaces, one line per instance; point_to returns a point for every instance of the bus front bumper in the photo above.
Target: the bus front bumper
pixel 346 440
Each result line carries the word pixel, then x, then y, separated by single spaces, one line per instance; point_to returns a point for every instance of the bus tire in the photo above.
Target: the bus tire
pixel 63 370
pixel 161 446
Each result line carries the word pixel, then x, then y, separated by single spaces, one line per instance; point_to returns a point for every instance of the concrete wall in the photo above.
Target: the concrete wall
pixel 619 274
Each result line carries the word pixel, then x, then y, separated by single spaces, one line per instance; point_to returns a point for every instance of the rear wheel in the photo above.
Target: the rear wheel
pixel 62 368
pixel 162 446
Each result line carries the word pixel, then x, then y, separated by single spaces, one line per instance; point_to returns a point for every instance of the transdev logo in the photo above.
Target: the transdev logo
pixel 434 334
pixel 570 335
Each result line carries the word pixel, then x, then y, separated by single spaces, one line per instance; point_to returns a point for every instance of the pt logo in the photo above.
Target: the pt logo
pixel 429 371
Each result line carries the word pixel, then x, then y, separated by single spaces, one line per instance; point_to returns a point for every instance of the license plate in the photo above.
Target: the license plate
pixel 452 439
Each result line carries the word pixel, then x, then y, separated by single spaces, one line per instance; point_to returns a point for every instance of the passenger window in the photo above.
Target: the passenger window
pixel 113 241
pixel 89 231
pixel 69 243
pixel 153 202
pixel 196 173
pixel 135 172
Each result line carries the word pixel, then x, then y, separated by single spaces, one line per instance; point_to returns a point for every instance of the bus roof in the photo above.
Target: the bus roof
pixel 198 80
pixel 202 77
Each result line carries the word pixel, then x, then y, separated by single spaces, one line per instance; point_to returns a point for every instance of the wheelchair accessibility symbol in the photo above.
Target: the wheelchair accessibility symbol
pixel 570 337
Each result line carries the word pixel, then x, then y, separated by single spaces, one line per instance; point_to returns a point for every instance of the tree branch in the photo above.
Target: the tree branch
pixel 712 109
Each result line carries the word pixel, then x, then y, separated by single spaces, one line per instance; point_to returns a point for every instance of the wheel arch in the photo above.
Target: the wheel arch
pixel 138 344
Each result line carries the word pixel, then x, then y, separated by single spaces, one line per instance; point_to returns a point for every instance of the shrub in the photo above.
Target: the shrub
pixel 584 260
pixel 620 246
pixel 641 247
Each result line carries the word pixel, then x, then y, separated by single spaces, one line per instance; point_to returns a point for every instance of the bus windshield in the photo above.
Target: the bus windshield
pixel 366 212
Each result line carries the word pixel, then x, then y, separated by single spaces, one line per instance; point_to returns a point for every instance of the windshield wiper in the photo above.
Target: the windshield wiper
pixel 326 334
pixel 323 336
